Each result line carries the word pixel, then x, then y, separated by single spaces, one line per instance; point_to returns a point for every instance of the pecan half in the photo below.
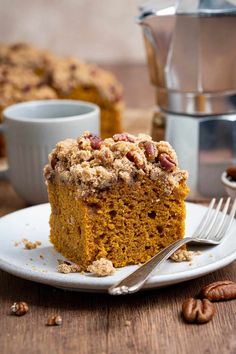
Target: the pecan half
pixel 95 142
pixel 19 308
pixel 54 320
pixel 150 150
pixel 166 162
pixel 123 137
pixel 198 311
pixel 219 291
pixel 26 88
pixel 72 67
pixel 133 157
pixel 231 172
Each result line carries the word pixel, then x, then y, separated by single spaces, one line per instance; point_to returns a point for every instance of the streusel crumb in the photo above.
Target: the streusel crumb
pixel 102 267
pixel 182 256
pixel 94 164
pixel 67 268
pixel 30 245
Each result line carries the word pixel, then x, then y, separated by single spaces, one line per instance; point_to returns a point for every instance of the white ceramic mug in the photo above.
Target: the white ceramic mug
pixel 32 129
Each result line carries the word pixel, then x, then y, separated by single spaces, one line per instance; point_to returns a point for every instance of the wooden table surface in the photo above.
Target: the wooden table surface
pixel 96 323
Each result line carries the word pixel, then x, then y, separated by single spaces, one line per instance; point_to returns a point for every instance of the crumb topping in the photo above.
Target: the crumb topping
pixel 182 256
pixel 24 55
pixel 101 267
pixel 19 84
pixel 94 164
pixel 68 73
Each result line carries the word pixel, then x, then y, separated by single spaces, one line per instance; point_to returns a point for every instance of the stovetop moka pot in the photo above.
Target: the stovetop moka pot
pixel 191 55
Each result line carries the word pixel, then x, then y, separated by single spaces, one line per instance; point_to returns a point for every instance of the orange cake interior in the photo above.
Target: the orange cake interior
pixel 120 198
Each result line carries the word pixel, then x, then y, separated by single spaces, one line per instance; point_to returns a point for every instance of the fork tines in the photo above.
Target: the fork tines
pixel 216 222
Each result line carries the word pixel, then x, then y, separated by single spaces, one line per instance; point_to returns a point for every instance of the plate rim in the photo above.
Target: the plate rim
pixel 155 281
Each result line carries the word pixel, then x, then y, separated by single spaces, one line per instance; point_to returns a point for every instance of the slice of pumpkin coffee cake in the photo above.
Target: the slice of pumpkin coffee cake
pixel 120 198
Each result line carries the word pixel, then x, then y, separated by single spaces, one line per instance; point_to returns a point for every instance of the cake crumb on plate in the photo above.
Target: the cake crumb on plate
pixel 101 267
pixel 66 268
pixel 29 245
pixel 182 256
pixel 198 253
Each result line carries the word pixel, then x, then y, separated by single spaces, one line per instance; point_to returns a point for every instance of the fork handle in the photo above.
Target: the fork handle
pixel 135 280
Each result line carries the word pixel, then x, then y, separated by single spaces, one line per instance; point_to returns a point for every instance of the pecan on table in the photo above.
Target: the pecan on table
pixel 19 308
pixel 198 311
pixel 231 172
pixel 219 291
pixel 54 320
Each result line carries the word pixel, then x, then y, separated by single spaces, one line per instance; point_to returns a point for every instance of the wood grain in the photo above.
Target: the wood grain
pixel 96 323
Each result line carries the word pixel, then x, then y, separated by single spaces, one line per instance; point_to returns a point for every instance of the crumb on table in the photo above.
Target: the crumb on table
pixel 54 320
pixel 127 323
pixel 101 267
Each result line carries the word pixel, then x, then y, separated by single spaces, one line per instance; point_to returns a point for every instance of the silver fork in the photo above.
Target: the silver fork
pixel 211 231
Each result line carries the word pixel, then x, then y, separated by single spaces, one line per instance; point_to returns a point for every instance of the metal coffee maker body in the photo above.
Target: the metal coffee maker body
pixel 191 55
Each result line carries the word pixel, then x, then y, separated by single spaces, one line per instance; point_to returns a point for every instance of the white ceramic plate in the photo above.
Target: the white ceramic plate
pixel 40 264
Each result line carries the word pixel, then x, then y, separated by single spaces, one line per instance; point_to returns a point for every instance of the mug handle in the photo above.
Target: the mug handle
pixel 3 173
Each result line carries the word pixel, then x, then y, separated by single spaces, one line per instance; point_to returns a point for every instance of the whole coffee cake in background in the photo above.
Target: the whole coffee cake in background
pixel 28 73
pixel 18 84
pixel 120 198
pixel 74 79
pixel 26 56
